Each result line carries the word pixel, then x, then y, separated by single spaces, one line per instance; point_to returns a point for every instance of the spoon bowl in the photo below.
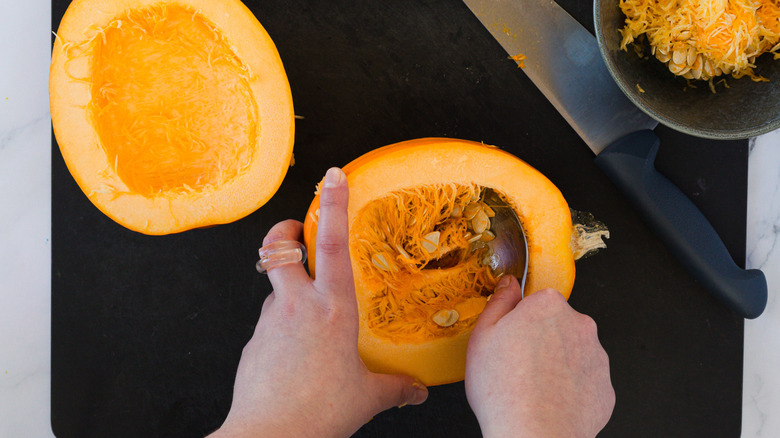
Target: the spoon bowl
pixel 509 249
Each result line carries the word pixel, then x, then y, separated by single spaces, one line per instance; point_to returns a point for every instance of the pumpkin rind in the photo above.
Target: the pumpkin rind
pixel 80 143
pixel 539 204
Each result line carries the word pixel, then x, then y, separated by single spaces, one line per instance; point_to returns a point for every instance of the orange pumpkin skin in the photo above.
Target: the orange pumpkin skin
pixel 538 203
pixel 205 134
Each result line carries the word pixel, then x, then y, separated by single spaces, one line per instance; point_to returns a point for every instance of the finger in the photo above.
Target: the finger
pixel 334 268
pixel 504 299
pixel 290 275
pixel 284 230
pixel 548 302
pixel 396 390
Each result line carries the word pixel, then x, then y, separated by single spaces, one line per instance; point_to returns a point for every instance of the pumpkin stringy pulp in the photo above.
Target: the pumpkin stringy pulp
pixel 423 256
pixel 171 102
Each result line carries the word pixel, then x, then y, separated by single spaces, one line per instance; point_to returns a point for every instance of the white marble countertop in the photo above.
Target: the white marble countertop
pixel 25 231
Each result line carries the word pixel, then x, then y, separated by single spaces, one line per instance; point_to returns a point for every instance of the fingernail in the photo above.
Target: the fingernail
pixel 333 177
pixel 420 393
pixel 504 282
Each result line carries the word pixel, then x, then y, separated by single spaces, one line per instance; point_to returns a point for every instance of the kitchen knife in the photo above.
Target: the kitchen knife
pixel 562 58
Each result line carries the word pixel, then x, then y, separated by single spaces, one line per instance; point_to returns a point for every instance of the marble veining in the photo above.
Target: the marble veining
pixel 764 216
pixel 761 375
pixel 25 232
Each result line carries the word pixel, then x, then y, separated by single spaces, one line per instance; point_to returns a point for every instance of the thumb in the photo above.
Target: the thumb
pixel 504 299
pixel 397 390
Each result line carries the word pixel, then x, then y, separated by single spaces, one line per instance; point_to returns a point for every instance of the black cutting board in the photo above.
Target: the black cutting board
pixel 147 331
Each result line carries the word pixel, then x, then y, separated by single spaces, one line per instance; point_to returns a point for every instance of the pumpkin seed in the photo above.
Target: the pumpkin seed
pixel 662 55
pixel 475 238
pixel 678 69
pixel 480 222
pixel 678 57
pixel 708 70
pixel 696 67
pixel 478 245
pixel 431 241
pixel 488 211
pixel 487 236
pixel 380 261
pixel 456 211
pixel 471 210
pixel 445 317
pixel 687 62
pixel 402 251
pixel 691 55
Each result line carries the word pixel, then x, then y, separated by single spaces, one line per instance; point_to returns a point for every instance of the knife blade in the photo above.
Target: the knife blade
pixel 563 60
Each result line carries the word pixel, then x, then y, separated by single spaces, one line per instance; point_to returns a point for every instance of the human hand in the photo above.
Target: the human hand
pixel 535 368
pixel 300 375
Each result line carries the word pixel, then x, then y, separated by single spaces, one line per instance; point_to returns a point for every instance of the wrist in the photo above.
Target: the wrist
pixel 512 425
pixel 253 430
pixel 274 427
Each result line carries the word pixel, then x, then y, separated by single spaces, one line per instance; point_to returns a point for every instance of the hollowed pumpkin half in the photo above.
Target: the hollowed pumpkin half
pixel 418 248
pixel 170 115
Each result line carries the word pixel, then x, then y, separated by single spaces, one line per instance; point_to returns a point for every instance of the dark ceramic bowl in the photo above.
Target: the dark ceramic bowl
pixel 745 109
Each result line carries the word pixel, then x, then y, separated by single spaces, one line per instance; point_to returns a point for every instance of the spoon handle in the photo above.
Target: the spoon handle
pixel 630 164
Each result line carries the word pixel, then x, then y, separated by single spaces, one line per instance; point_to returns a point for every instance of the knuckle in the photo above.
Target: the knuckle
pixel 547 301
pixel 604 359
pixel 329 199
pixel 267 302
pixel 289 223
pixel 285 308
pixel 550 296
pixel 274 235
pixel 288 229
pixel 476 336
pixel 611 397
pixel 331 313
pixel 330 246
pixel 588 325
pixel 249 350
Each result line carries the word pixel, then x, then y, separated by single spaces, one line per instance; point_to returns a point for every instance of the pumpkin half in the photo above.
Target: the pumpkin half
pixel 170 115
pixel 418 242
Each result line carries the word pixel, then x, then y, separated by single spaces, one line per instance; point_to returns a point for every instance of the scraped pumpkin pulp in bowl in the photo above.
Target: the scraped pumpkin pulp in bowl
pixel 170 115
pixel 419 233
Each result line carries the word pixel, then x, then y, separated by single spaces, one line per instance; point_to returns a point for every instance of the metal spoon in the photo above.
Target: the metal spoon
pixel 509 248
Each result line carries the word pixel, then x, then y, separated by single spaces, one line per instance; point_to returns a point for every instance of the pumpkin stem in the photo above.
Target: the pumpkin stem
pixel 588 234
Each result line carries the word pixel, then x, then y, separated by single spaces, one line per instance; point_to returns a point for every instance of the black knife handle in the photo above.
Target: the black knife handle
pixel 630 164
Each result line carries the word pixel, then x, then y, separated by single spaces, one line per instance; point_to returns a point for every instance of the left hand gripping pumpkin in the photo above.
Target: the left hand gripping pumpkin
pixel 170 115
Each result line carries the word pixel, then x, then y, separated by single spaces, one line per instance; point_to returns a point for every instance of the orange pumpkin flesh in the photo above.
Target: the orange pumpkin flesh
pixel 436 355
pixel 170 115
